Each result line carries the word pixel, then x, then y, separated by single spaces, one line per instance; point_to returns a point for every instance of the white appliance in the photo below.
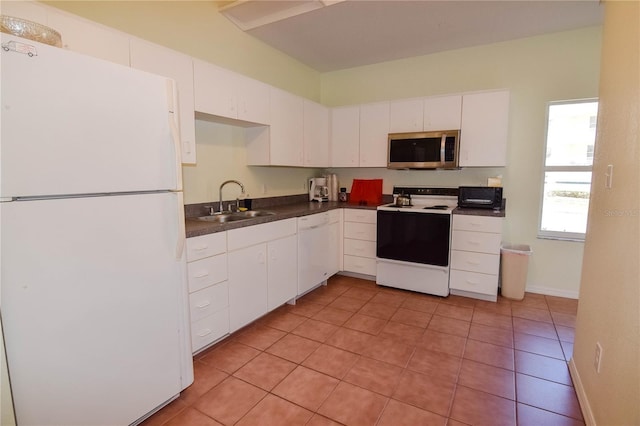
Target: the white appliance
pixel 413 241
pixel 93 282
pixel 314 238
pixel 318 189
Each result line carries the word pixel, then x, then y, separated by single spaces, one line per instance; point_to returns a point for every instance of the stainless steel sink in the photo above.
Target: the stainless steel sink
pixel 253 213
pixel 219 218
pixel 235 216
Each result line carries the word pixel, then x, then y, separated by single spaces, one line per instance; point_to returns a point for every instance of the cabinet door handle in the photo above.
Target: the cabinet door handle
pixel 473 262
pixel 200 248
pixel 204 332
pixel 202 275
pixel 203 304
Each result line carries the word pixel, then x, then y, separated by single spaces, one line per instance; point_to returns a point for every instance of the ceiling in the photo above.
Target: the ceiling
pixel 329 35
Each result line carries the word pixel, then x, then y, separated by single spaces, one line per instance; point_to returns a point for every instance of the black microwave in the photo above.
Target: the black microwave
pixel 480 197
pixel 424 150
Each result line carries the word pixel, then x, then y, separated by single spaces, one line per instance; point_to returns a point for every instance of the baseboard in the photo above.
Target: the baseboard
pixel 548 291
pixel 357 275
pixel 582 396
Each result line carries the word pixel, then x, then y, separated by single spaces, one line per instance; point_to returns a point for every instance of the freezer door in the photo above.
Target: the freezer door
pixel 92 307
pixel 72 124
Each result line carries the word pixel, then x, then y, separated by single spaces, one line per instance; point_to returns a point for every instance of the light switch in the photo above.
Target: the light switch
pixel 609 177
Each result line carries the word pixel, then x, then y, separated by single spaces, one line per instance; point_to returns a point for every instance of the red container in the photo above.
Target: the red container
pixel 366 192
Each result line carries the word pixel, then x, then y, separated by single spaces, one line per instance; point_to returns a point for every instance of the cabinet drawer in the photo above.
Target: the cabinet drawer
pixel 208 301
pixel 209 329
pixel 206 245
pixel 475 262
pixel 256 234
pixel 205 272
pixel 360 215
pixel 482 242
pixel 361 265
pixel 477 223
pixel 474 282
pixel 360 231
pixel 360 248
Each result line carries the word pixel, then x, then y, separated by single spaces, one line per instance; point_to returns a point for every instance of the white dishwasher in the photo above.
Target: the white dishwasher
pixel 313 251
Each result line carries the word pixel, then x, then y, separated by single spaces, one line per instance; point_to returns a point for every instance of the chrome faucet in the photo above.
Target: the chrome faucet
pixel 220 192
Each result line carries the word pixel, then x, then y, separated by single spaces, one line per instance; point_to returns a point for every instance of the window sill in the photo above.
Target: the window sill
pixel 560 238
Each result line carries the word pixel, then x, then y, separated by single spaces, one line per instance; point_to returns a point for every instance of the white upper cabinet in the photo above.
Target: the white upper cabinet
pixel 345 136
pixel 374 133
pixel 286 129
pixel 215 90
pixel 78 34
pixel 359 135
pixel 179 67
pixel 406 115
pixel 442 112
pixel 316 134
pixel 92 39
pixel 425 114
pixel 225 93
pixel 29 10
pixel 485 126
pixel 253 100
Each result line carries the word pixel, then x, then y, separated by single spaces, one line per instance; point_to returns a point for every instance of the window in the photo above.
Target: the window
pixel 571 133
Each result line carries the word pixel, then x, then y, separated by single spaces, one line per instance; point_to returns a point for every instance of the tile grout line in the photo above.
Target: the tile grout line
pixel 415 345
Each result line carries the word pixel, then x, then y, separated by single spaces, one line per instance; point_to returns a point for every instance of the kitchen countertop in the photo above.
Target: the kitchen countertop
pixel 195 227
pixel 479 212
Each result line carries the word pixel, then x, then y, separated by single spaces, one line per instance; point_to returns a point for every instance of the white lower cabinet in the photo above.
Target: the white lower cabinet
pixel 360 241
pixel 208 289
pixel 335 242
pixel 313 251
pixel 262 270
pixel 282 271
pixel 247 285
pixel 475 256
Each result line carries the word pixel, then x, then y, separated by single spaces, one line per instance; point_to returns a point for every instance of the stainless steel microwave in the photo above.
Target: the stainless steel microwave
pixel 424 150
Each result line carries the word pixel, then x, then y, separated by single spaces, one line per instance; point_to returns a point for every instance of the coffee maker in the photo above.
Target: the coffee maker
pixel 318 189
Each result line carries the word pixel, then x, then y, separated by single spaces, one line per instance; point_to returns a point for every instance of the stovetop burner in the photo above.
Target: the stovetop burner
pixel 425 199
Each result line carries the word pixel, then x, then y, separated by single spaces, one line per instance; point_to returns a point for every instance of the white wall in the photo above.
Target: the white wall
pixel 609 307
pixel 197 29
pixel 222 156
pixel 536 70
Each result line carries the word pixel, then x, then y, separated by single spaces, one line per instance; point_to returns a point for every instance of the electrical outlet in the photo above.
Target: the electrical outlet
pixel 597 360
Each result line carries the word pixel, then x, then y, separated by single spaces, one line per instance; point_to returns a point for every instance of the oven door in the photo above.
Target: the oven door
pixel 415 237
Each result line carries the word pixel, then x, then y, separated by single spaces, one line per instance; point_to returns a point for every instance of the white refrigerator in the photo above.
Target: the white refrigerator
pixel 93 293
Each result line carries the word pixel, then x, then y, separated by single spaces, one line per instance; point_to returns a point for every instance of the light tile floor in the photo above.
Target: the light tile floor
pixel 355 353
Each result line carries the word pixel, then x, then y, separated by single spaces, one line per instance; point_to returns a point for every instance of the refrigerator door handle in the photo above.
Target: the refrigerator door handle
pixel 175 133
pixel 182 234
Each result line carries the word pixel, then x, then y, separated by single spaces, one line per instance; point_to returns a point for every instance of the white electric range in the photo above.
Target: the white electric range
pixel 413 241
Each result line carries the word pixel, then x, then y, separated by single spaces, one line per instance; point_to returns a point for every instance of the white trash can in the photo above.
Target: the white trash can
pixel 513 268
